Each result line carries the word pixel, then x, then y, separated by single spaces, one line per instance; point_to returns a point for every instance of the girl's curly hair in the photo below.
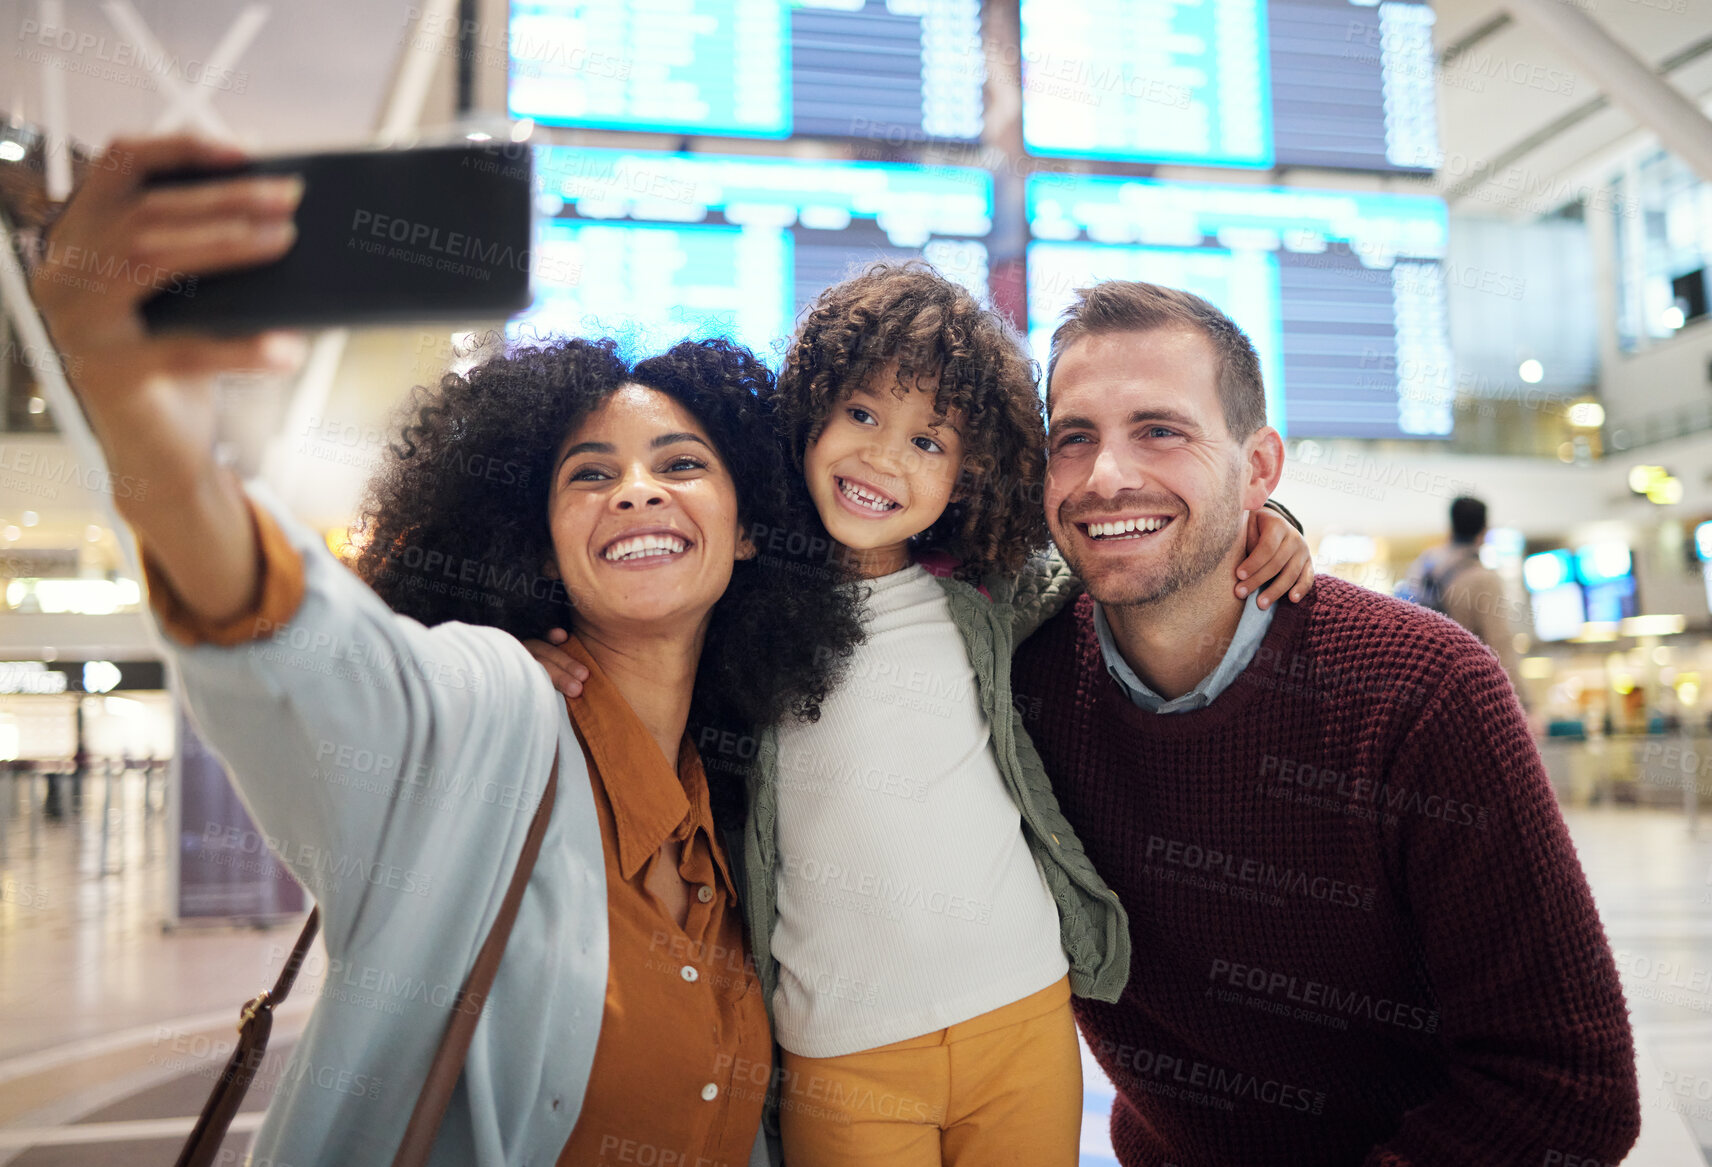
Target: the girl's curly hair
pixel 936 333
pixel 456 520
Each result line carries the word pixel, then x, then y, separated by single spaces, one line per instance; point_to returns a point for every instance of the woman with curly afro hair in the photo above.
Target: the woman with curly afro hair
pixel 465 480
pixel 395 742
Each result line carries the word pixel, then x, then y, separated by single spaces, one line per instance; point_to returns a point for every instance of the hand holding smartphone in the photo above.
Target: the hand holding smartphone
pixel 383 237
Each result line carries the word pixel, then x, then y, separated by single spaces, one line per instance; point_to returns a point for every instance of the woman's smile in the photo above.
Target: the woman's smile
pixel 645 548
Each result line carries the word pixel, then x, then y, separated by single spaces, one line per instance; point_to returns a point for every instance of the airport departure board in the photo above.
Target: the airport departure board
pixel 1342 293
pixel 1252 83
pixel 898 70
pixel 653 247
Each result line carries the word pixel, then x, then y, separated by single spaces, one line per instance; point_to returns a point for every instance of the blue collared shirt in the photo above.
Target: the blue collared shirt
pixel 1250 631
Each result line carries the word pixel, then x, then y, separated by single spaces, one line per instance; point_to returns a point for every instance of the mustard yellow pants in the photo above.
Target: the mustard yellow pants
pixel 1004 1088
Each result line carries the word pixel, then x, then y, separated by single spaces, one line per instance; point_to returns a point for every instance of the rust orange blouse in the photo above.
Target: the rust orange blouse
pixel 685 1053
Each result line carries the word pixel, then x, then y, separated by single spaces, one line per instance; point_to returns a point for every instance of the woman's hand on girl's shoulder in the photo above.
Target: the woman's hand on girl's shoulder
pixel 1278 555
pixel 565 671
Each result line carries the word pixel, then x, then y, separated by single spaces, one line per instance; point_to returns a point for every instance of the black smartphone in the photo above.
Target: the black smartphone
pixel 439 233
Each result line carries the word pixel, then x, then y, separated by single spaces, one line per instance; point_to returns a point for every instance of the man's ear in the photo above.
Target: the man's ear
pixel 1264 452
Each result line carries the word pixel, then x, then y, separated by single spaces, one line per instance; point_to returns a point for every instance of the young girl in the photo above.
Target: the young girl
pixel 919 909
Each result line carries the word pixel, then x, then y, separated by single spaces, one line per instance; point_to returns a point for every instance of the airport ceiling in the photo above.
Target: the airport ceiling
pixel 295 74
pixel 1522 125
pixel 1510 99
pixel 319 72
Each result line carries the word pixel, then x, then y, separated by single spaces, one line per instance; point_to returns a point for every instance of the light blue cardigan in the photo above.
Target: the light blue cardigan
pixel 394 769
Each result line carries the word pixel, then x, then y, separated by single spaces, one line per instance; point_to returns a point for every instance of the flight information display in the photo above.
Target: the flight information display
pixel 653 248
pixel 1342 293
pixel 902 70
pixel 1254 83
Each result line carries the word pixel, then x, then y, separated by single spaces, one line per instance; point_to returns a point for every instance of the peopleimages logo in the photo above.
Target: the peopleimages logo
pixel 99 266
pixel 457 252
pixel 360 655
pixel 122 55
pixel 413 234
pixel 1318 994
pixel 1136 1063
pixel 1236 869
pixel 39 472
pixel 894 893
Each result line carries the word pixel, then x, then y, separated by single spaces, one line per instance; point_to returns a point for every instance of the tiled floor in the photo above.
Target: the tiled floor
pixel 110 1027
pixel 1653 881
pixel 104 1017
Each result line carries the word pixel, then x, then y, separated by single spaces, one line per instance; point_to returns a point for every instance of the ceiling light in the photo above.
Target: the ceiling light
pixel 100 676
pixel 1642 478
pixel 1666 492
pixel 1346 549
pixel 1545 571
pixel 1652 625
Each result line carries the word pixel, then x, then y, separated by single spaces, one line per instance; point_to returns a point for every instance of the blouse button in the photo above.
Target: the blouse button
pixel 689 973
pixel 704 893
pixel 709 1092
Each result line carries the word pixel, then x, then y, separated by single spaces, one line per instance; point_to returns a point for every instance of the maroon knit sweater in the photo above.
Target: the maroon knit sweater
pixel 1361 934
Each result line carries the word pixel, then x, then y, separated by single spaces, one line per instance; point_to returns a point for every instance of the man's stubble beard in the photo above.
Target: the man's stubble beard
pixel 1205 543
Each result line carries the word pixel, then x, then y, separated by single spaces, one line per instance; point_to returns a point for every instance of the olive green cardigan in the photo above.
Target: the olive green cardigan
pixel 1092 924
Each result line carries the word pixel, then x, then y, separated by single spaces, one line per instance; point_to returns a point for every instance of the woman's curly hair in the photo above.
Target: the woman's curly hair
pixel 937 334
pixel 456 520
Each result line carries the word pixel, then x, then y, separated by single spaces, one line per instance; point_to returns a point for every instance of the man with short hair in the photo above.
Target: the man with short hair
pixel 1361 935
pixel 1451 579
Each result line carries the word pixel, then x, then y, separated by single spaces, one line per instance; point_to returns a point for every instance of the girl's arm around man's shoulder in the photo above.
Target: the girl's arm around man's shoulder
pixel 1044 587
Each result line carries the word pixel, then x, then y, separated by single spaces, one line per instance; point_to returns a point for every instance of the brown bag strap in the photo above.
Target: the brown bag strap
pixel 255 1023
pixel 466 1011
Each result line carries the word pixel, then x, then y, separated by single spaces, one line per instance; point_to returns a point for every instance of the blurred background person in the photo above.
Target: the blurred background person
pixel 1452 580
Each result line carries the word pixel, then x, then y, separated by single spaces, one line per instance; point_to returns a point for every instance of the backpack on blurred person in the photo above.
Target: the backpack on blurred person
pixel 1430 577
pixel 1430 591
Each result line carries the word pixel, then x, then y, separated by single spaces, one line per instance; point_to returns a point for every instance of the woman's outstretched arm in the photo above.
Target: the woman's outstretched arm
pixel 370 749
